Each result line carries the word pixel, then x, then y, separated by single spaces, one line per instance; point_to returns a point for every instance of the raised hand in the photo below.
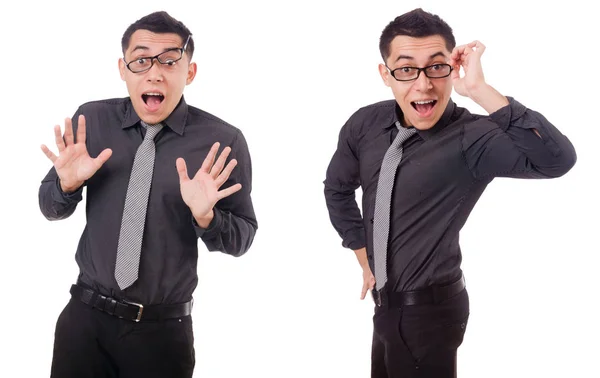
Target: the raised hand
pixel 201 192
pixel 73 164
pixel 469 58
pixel 473 84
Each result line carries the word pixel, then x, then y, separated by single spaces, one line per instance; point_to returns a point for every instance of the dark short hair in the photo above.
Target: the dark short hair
pixel 416 23
pixel 160 23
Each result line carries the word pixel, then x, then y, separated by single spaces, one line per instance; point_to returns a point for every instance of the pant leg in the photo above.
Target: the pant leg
pixel 77 350
pixel 433 334
pixel 421 340
pixel 390 357
pixel 156 349
pixel 378 369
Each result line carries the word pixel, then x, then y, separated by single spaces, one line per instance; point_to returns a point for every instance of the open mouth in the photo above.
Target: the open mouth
pixel 153 100
pixel 424 108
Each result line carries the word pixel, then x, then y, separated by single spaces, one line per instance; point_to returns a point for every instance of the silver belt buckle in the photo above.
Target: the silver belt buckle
pixel 140 310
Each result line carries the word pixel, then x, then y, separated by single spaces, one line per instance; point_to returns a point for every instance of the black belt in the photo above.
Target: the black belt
pixel 130 310
pixel 430 295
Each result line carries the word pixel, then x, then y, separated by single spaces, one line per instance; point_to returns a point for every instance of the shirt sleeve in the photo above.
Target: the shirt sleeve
pixel 54 203
pixel 234 225
pixel 505 144
pixel 342 180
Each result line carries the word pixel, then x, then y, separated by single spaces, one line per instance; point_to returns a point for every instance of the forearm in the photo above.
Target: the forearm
pixel 547 150
pixel 54 203
pixel 513 141
pixel 361 256
pixel 227 233
pixel 341 181
pixel 345 217
pixel 488 98
pixel 525 120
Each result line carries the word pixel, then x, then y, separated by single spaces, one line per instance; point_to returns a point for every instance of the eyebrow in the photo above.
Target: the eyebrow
pixel 439 53
pixel 146 48
pixel 138 47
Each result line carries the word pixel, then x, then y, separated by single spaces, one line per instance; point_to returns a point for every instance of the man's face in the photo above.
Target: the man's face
pixel 155 93
pixel 423 100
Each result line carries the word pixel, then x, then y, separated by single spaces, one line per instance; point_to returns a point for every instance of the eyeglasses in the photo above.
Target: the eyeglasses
pixel 168 58
pixel 435 71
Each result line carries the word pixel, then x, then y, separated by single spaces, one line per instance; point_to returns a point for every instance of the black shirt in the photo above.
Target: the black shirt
pixel 169 253
pixel 443 172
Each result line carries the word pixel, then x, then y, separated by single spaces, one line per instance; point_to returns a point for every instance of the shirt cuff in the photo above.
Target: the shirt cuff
pixel 354 240
pixel 214 226
pixel 355 245
pixel 507 115
pixel 67 198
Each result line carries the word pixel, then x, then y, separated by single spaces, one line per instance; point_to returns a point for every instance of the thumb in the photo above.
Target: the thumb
pixel 103 157
pixel 182 170
pixel 455 74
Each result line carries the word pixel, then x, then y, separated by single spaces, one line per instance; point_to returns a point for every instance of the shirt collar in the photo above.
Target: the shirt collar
pixel 425 134
pixel 175 121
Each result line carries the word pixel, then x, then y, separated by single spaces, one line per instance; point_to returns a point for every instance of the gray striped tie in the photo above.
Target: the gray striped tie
pixel 134 213
pixel 383 201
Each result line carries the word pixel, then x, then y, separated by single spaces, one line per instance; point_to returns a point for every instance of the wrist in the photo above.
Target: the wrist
pixel 69 187
pixel 204 220
pixel 365 266
pixel 361 256
pixel 480 92
pixel 488 98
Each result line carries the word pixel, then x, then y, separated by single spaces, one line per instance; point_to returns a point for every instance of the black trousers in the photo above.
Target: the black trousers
pixel 91 343
pixel 419 340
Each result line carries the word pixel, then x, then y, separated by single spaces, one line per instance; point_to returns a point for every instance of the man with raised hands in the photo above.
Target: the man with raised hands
pixel 130 310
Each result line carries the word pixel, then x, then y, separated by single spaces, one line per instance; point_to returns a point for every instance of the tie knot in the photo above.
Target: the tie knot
pixel 404 133
pixel 152 130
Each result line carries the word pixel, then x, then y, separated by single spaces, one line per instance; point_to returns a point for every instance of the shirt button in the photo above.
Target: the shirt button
pixel 371 220
pixel 370 257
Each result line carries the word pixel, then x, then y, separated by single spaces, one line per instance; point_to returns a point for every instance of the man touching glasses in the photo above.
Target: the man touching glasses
pixel 158 178
pixel 422 163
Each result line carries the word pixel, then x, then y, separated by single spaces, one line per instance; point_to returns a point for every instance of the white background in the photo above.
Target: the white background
pixel 289 75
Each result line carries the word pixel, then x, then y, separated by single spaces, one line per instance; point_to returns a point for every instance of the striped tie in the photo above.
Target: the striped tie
pixel 383 199
pixel 134 213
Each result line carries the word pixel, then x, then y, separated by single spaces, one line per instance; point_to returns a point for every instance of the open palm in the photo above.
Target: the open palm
pixel 201 192
pixel 73 164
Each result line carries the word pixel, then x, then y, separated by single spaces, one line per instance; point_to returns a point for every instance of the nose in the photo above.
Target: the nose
pixel 154 74
pixel 423 83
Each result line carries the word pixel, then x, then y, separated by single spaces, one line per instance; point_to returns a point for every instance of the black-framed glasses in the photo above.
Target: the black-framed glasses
pixel 435 71
pixel 168 58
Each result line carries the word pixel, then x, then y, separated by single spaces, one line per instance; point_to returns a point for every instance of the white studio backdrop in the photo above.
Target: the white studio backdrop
pixel 289 74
